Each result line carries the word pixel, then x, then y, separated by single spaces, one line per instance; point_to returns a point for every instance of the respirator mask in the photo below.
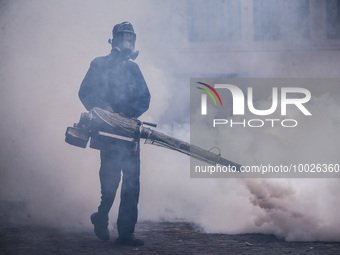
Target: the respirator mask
pixel 123 40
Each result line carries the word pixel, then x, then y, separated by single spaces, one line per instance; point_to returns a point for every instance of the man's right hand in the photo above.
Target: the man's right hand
pixel 109 109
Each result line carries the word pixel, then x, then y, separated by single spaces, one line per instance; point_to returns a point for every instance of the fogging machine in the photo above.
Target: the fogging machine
pixel 107 130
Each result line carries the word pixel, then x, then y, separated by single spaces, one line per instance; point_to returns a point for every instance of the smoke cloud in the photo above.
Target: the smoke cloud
pixel 46 48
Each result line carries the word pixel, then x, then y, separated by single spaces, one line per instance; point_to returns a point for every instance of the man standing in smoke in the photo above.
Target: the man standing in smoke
pixel 116 84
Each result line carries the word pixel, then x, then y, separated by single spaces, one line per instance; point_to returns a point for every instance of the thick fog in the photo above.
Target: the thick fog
pixel 46 48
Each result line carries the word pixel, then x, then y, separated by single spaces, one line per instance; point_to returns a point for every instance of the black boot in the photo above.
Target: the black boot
pixel 129 240
pixel 100 226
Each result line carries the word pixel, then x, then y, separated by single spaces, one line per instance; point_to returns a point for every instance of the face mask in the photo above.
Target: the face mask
pixel 125 45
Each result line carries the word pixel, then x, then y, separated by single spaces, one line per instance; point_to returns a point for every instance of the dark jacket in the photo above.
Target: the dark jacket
pixel 110 82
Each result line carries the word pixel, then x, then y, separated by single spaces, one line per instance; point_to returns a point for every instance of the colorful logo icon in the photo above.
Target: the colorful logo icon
pixel 209 93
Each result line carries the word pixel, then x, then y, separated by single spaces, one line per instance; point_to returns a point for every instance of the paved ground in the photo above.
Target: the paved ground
pixel 160 238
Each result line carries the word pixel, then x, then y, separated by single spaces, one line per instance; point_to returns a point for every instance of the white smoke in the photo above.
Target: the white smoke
pixel 296 209
pixel 46 48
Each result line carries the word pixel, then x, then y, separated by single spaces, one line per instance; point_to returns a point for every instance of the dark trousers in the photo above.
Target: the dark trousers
pixel 112 164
